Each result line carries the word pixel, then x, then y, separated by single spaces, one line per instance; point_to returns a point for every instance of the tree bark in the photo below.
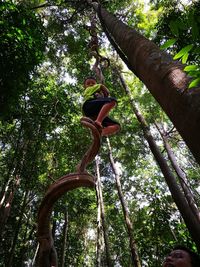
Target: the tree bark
pixel 4 192
pixel 14 242
pixel 5 211
pixel 103 218
pixel 190 220
pixel 35 255
pixel 27 236
pixel 65 232
pixel 132 243
pixel 164 77
pixel 181 175
pixel 54 224
pixel 99 244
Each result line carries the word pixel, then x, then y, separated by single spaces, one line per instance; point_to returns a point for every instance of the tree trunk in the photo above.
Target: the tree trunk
pixel 177 195
pixel 14 242
pixel 65 232
pixel 99 243
pixel 181 175
pixel 105 231
pixel 164 77
pixel 54 224
pixel 35 255
pixel 4 192
pixel 25 248
pixel 133 246
pixel 5 211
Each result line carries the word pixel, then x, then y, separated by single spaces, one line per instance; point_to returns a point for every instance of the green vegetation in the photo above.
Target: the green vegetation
pixel 44 59
pixel 22 46
pixel 179 29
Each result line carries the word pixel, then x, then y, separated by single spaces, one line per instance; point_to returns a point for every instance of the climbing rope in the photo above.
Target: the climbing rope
pixel 101 62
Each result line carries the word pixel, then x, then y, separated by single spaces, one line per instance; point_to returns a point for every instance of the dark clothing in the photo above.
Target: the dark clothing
pixel 92 107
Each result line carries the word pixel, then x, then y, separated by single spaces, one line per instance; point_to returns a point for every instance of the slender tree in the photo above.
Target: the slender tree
pixel 99 239
pixel 65 232
pixel 183 179
pixel 132 243
pixel 5 211
pixel 103 216
pixel 191 221
pixel 17 230
pixel 4 193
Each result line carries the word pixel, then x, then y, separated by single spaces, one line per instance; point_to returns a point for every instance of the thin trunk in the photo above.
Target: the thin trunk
pixel 133 247
pixel 65 232
pixel 103 218
pixel 55 215
pixel 181 175
pixel 173 234
pixel 26 239
pixel 5 211
pixel 99 243
pixel 19 223
pixel 3 194
pixel 163 76
pixel 177 195
pixel 35 255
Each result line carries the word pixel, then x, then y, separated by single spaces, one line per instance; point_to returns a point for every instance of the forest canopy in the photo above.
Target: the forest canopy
pixel 22 49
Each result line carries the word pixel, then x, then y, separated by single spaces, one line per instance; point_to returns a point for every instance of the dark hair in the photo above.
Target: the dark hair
pixel 92 78
pixel 195 258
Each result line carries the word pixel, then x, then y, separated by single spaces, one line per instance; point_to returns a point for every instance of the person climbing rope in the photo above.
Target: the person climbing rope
pixel 97 106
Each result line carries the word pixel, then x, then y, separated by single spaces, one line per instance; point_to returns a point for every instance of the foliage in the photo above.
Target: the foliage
pixel 180 33
pixel 22 46
pixel 46 140
pixel 194 71
pixel 141 19
pixel 36 146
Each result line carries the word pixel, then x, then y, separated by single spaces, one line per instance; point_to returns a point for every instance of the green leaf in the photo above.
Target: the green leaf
pixel 168 43
pixel 194 83
pixel 185 57
pixel 191 68
pixel 9 35
pixel 183 51
pixel 194 74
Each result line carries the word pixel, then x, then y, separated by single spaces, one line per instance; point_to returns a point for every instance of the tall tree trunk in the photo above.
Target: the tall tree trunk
pixel 181 175
pixel 103 218
pixel 26 239
pixel 99 243
pixel 5 211
pixel 14 242
pixel 129 225
pixel 65 232
pixel 163 76
pixel 177 195
pixel 4 192
pixel 54 224
pixel 35 255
